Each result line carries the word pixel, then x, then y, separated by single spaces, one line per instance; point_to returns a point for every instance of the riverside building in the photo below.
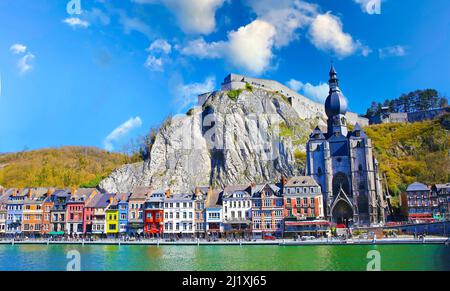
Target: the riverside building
pixel 179 215
pixel 237 210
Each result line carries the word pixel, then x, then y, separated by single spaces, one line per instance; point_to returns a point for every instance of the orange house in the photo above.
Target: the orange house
pixel 33 211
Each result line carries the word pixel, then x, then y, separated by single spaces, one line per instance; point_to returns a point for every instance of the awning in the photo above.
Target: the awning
pixel 56 233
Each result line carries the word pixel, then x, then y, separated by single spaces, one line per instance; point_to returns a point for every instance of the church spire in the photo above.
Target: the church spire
pixel 336 107
pixel 334 81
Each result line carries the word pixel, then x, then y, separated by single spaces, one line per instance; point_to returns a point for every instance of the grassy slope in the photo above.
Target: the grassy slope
pixel 413 152
pixel 58 167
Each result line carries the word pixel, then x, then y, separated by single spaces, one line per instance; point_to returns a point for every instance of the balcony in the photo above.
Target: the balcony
pixel 240 220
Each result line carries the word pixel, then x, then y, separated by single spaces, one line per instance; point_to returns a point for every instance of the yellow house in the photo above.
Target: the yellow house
pixel 112 217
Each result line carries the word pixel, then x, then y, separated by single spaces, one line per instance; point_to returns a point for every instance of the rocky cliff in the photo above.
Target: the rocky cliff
pixel 237 136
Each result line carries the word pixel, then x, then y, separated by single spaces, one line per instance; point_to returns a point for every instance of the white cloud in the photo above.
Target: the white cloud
pixel 186 94
pixel 76 22
pixel 195 16
pixel 204 50
pixel 18 48
pixel 24 63
pixel 160 46
pixel 253 47
pixel 134 24
pixel 392 51
pixel 326 33
pixel 121 132
pixel 248 48
pixel 314 92
pixel 286 16
pixel 295 84
pixel 154 64
pixel 370 6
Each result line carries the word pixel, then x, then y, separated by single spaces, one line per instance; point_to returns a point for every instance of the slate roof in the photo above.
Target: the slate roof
pixel 229 190
pixel 180 197
pixel 141 193
pixel 256 189
pixel 213 199
pixel 301 181
pixel 416 186
pixel 103 200
pixel 442 186
pixel 82 195
pixel 122 197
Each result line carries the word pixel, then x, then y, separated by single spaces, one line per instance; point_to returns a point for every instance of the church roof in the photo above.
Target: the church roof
pixel 317 134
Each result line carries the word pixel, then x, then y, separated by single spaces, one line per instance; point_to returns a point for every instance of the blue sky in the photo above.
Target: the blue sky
pixel 107 75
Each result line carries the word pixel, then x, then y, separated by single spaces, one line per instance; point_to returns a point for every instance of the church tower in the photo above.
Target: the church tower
pixel 342 163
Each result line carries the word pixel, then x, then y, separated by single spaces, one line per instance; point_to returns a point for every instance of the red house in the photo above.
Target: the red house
pixel 75 209
pixel 154 214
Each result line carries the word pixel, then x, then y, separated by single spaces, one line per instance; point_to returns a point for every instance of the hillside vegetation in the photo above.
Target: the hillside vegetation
pixel 58 167
pixel 410 152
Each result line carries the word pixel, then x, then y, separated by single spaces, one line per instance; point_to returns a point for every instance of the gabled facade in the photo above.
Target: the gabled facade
pixel 99 213
pixel 122 205
pixel 14 208
pixel 58 212
pixel 112 217
pixel 75 209
pixel 442 194
pixel 214 214
pixel 267 210
pixel 5 193
pixel 154 214
pixel 33 210
pixel 136 209
pixel 237 210
pixel 201 194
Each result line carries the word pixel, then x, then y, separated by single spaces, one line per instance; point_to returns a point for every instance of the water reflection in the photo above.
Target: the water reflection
pixel 238 258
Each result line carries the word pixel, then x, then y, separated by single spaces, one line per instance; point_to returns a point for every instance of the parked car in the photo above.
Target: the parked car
pixel 269 237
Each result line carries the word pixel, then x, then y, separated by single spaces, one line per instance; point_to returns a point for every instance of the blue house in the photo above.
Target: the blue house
pixel 14 214
pixel 122 199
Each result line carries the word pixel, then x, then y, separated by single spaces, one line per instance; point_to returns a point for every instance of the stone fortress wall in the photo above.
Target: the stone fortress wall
pixel 306 108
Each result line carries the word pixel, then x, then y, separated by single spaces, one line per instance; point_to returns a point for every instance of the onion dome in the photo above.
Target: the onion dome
pixel 335 103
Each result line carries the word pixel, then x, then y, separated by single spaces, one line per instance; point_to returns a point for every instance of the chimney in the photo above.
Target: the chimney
pixel 111 199
pixel 29 193
pixel 168 193
pixel 284 180
pixel 73 191
pixel 197 191
pixel 253 184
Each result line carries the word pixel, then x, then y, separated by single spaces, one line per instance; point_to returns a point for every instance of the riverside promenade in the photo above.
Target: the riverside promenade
pixel 278 242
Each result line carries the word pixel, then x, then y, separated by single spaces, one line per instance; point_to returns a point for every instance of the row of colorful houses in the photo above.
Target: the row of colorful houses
pixel 292 206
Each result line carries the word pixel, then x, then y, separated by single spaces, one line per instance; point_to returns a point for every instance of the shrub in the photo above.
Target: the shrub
pixel 248 87
pixel 234 94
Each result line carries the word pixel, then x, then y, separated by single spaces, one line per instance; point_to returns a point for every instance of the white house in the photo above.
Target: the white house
pixel 237 205
pixel 179 215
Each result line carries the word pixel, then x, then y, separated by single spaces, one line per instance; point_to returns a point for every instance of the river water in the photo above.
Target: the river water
pixel 228 258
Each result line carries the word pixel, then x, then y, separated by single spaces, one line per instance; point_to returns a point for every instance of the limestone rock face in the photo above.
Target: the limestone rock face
pixel 235 137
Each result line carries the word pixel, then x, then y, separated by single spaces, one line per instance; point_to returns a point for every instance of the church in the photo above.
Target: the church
pixel 343 164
